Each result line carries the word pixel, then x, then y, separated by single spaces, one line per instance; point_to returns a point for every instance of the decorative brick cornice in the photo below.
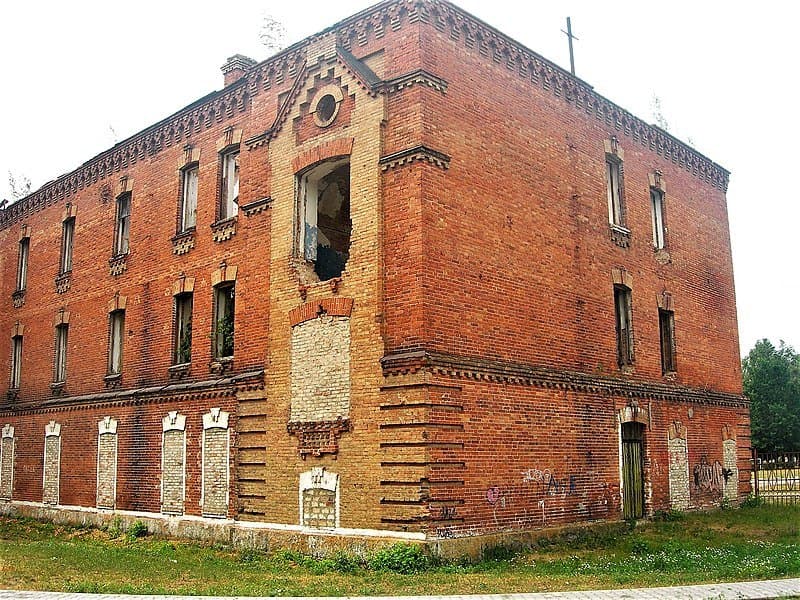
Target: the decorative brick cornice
pixel 183 242
pixel 222 231
pixel 332 307
pixel 117 265
pixel 318 437
pixel 419 77
pixel 523 374
pixel 174 392
pixel 18 298
pixel 415 154
pixel 325 151
pixel 63 282
pixel 256 207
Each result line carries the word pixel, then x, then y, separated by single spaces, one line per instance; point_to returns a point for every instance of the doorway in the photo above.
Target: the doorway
pixel 632 470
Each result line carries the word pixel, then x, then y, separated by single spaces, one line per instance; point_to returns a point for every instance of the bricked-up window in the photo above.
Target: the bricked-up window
pixel 224 311
pixel 657 212
pixel 22 263
pixel 123 225
pixel 188 208
pixel 666 322
pixel 323 224
pixel 623 315
pixel 616 205
pixel 67 241
pixel 60 367
pixel 116 335
pixel 229 188
pixel 183 329
pixel 16 362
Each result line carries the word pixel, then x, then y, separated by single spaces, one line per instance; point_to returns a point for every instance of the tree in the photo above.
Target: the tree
pixel 273 34
pixel 771 378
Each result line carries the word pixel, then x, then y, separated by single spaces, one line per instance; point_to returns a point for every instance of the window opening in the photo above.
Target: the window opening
pixel 116 328
pixel 666 322
pixel 616 208
pixel 16 361
pixel 188 216
pixel 229 201
pixel 22 263
pixel 657 206
pixel 67 241
pixel 122 233
pixel 60 374
pixel 183 329
pixel 622 309
pixel 224 312
pixel 324 214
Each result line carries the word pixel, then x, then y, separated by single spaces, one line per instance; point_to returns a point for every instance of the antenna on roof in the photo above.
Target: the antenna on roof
pixel 570 37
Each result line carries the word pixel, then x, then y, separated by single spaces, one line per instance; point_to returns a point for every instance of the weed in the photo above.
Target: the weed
pixel 668 515
pixel 137 530
pixel 498 553
pixel 752 501
pixel 401 558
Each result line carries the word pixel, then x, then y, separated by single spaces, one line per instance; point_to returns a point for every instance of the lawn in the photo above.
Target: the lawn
pixel 749 543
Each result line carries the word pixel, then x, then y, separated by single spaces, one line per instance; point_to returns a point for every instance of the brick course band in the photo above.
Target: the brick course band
pixel 333 307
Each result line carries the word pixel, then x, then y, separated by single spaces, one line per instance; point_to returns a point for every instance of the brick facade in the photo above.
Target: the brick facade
pixel 425 340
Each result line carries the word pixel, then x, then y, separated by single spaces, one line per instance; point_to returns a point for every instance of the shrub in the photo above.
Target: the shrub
pixel 401 558
pixel 137 530
pixel 498 553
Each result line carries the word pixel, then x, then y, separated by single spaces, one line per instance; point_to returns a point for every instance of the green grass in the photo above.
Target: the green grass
pixel 749 543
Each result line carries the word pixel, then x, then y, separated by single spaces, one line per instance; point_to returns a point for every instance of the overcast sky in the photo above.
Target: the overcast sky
pixel 80 76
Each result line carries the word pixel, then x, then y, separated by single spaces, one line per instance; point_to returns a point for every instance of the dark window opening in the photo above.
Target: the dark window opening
pixel 122 233
pixel 183 329
pixel 224 312
pixel 666 322
pixel 326 108
pixel 324 216
pixel 616 202
pixel 188 205
pixel 16 361
pixel 229 198
pixel 623 315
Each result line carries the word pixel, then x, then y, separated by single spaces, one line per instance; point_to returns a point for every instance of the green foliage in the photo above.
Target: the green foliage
pixel 752 501
pixel 114 528
pixel 771 378
pixel 498 553
pixel 669 515
pixel 401 558
pixel 137 530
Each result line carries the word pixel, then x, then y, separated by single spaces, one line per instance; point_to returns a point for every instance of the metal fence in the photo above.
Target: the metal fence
pixel 776 477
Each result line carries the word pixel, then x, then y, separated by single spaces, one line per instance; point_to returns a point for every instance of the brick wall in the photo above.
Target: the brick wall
pixel 460 377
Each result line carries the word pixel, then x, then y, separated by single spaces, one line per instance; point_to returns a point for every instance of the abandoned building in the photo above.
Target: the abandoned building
pixel 405 279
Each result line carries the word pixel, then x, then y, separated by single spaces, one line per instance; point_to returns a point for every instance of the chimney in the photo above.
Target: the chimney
pixel 235 68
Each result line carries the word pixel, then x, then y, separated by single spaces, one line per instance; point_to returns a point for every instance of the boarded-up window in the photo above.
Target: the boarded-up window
pixel 216 448
pixel 52 463
pixel 7 462
pixel 173 463
pixel 107 463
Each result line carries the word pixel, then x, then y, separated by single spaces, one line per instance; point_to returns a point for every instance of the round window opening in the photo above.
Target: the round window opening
pixel 326 109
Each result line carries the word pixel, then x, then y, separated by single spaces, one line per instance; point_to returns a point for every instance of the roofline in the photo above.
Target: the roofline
pixel 19 207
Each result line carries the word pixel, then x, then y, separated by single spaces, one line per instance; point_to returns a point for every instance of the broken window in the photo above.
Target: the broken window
pixel 183 329
pixel 657 209
pixel 67 240
pixel 22 263
pixel 60 366
pixel 16 361
pixel 116 331
pixel 224 311
pixel 229 196
pixel 324 226
pixel 616 206
pixel 623 315
pixel 122 233
pixel 188 211
pixel 666 323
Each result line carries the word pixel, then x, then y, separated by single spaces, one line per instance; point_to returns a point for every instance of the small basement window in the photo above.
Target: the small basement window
pixel 324 227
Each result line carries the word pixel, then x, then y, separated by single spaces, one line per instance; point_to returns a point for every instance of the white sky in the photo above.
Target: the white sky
pixel 80 75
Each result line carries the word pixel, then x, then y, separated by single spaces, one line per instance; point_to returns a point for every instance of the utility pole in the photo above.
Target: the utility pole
pixel 570 37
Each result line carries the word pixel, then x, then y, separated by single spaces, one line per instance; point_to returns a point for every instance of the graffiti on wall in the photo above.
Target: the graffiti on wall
pixel 710 477
pixel 550 484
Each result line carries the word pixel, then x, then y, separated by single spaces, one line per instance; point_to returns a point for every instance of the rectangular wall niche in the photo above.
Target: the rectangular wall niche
pixel 7 463
pixel 52 463
pixel 319 498
pixel 216 450
pixel 678 467
pixel 321 370
pixel 173 463
pixel 107 463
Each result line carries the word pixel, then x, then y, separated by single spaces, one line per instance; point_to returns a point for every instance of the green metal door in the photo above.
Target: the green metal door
pixel 632 471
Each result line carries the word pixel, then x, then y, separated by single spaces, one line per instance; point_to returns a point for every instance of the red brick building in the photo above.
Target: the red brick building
pixel 404 279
